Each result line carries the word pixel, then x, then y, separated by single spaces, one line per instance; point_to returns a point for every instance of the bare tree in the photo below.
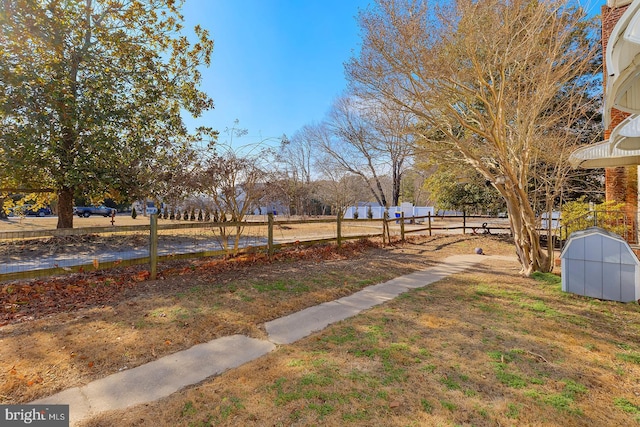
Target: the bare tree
pixel 234 183
pixel 233 177
pixel 339 191
pixel 339 188
pixel 297 154
pixel 393 140
pixel 495 82
pixel 293 179
pixel 370 140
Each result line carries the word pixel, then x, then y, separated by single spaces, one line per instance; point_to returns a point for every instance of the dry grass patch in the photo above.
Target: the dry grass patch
pixel 483 348
pixel 70 342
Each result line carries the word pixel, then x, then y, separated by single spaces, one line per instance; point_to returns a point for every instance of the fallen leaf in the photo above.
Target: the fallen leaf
pixel 141 276
pixel 36 380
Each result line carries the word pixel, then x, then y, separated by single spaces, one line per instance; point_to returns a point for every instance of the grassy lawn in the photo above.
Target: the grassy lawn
pixel 483 348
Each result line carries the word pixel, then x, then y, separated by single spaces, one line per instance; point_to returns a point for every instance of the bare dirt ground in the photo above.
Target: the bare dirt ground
pixel 486 347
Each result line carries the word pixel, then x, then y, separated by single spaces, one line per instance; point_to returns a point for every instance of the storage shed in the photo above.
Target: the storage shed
pixel 600 264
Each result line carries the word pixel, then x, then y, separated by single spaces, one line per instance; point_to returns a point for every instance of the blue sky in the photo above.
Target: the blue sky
pixel 277 64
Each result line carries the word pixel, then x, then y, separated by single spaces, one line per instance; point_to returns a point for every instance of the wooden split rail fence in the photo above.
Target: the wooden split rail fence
pixel 357 229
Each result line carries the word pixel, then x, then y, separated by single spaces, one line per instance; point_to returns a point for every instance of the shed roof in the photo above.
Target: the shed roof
pixel 593 231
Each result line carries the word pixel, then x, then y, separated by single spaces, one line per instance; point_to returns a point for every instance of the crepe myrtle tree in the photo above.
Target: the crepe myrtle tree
pixel 92 91
pixel 495 84
pixel 233 180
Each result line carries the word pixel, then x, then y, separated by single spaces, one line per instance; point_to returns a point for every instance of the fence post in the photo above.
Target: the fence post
pixel 386 238
pixel 270 234
pixel 339 229
pixel 402 226
pixel 464 222
pixel 153 246
pixel 429 219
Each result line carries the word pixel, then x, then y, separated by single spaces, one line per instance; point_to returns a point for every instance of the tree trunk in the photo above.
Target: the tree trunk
pixel 65 208
pixel 397 180
pixel 3 214
pixel 383 199
pixel 526 237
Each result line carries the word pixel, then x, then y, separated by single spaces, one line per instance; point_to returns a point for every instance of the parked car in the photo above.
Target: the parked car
pixel 27 210
pixel 39 212
pixel 87 211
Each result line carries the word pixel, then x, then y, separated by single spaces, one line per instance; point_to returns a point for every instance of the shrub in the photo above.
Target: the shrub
pixel 134 214
pixel 578 215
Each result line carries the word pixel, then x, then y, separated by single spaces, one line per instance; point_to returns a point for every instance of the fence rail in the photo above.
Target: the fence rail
pixel 22 255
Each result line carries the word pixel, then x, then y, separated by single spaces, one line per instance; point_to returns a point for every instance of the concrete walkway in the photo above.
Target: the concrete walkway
pixel 169 374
